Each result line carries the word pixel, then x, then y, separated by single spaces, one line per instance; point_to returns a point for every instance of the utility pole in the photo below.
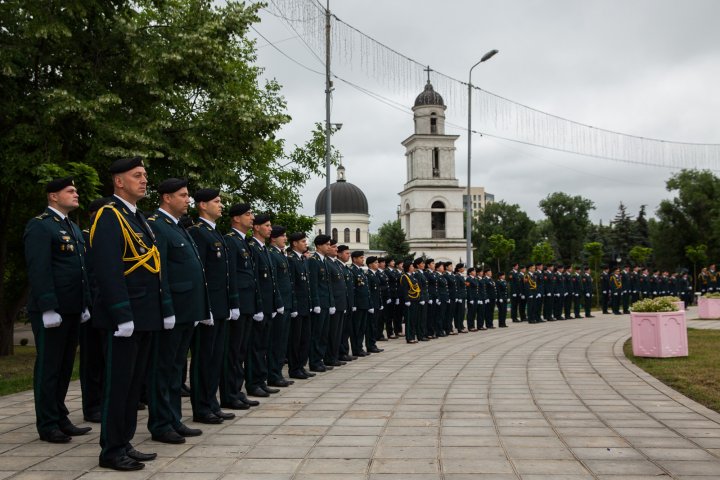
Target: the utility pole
pixel 328 126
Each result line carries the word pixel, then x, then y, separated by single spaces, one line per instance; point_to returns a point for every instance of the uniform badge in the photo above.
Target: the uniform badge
pixel 65 238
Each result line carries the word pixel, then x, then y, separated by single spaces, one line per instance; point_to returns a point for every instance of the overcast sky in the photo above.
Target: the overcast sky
pixel 649 68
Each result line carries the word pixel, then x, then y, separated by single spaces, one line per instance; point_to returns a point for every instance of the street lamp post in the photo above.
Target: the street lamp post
pixel 468 207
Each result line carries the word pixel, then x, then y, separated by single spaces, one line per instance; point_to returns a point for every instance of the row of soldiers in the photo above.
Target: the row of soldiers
pixel 621 287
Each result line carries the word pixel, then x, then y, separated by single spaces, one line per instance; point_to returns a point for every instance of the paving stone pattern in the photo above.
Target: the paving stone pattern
pixel 551 401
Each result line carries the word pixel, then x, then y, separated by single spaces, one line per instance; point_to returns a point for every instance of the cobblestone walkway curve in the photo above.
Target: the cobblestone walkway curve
pixel 551 401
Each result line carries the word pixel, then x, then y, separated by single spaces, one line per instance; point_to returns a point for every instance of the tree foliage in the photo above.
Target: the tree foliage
pixel 697 254
pixel 89 81
pixel 640 255
pixel 500 249
pixel 391 238
pixel 508 220
pixel 569 221
pixel 543 253
pixel 692 217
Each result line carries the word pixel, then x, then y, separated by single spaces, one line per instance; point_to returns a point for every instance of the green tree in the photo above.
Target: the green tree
pixel 696 254
pixel 623 234
pixel 543 253
pixel 640 254
pixel 692 217
pixel 175 82
pixel 506 220
pixel 500 249
pixel 391 238
pixel 569 221
pixel 642 228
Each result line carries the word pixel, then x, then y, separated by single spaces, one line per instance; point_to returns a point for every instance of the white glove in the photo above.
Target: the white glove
pixel 280 310
pixel 316 309
pixel 447 301
pixel 501 300
pixel 272 315
pixel 389 300
pixel 169 322
pixel 234 313
pixel 125 329
pixel 557 295
pixel 615 294
pixel 85 316
pixel 654 293
pixel 514 295
pixel 258 317
pixel 407 304
pixel 422 302
pixel 538 296
pixel 587 295
pixel 51 319
pixel 371 310
pixel 293 314
pixel 354 309
pixel 195 324
pixel 381 308
pixel 209 322
pixel 332 310
pixel 604 292
pixel 522 297
pixel 397 301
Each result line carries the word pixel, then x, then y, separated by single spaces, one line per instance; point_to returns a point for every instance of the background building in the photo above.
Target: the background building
pixel 480 198
pixel 350 218
pixel 431 204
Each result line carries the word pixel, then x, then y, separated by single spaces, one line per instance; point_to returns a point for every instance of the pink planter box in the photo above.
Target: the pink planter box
pixel 659 334
pixel 709 307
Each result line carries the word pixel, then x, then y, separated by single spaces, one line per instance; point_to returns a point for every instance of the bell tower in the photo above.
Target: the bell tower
pixel 431 204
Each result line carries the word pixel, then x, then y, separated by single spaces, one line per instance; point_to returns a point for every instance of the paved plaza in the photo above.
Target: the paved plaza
pixel 551 401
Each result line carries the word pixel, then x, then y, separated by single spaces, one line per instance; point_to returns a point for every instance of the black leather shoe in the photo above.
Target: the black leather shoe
pixel 236 405
pixel 210 419
pixel 171 436
pixel 319 368
pixel 122 463
pixel 269 390
pixel 258 392
pixel 309 374
pixel 73 431
pixel 299 375
pixel 225 415
pixel 142 405
pixel 378 350
pixel 279 383
pixel 382 339
pixel 184 391
pixel 346 358
pixel 95 417
pixel 244 399
pixel 55 436
pixel 328 367
pixel 140 456
pixel 186 431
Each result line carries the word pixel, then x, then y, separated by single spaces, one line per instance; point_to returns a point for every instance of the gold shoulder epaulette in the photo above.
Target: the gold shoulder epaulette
pixel 43 216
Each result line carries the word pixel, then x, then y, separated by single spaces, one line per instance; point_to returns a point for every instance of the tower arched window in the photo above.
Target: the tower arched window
pixel 433 123
pixel 357 235
pixel 334 234
pixel 346 235
pixel 437 219
pixel 436 163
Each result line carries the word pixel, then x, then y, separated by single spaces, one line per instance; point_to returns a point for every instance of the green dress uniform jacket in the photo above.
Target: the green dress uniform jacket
pixel 215 256
pixel 320 289
pixel 243 284
pixel 361 287
pixel 184 291
pixel 300 283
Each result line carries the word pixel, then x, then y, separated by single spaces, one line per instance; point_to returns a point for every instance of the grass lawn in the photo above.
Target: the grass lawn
pixel 16 371
pixel 696 376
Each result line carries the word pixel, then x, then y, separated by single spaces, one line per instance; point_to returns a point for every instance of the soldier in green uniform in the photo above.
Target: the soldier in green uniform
pixel 451 303
pixel 393 273
pixel 185 303
pixel 207 346
pixel 502 298
pixel 343 256
pixel 271 306
pixel 616 289
pixel 243 290
pixel 281 323
pixel 376 306
pixel 419 277
pixel 587 291
pixel 443 300
pixel 532 295
pixel 605 289
pixel 299 341
pixel 92 363
pixel 128 308
pixel 322 301
pixel 460 298
pixel 335 321
pixel 362 303
pixel 58 302
pixel 522 295
pixel 626 290
pixel 409 297
pixel 473 297
pixel 434 324
pixel 515 281
pixel 490 298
